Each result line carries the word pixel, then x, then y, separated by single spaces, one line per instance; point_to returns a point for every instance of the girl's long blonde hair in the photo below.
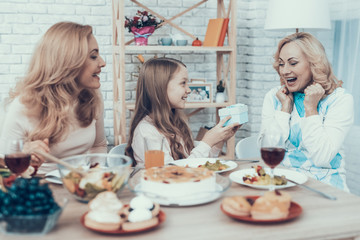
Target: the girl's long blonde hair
pixel 50 88
pixel 152 99
pixel 314 51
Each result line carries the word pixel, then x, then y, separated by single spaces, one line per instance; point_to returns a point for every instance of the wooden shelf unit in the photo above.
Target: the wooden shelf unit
pixel 225 70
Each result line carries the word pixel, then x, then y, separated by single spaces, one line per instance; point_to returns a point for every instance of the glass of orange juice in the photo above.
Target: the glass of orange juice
pixel 154 154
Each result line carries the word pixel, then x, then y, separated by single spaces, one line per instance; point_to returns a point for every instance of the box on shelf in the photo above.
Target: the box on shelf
pixel 238 113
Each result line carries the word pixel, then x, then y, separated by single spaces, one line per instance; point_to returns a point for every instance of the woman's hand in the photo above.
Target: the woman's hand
pixel 286 98
pixel 313 94
pixel 220 133
pixel 41 145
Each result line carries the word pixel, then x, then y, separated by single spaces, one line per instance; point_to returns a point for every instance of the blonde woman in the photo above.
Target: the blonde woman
pixel 161 94
pixel 310 109
pixel 57 107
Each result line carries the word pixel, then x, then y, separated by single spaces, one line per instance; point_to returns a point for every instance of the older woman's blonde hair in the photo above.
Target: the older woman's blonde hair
pixel 50 89
pixel 152 99
pixel 314 51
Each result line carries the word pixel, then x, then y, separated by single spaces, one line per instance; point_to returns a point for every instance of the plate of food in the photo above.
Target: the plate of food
pixel 248 209
pixel 215 164
pixel 258 177
pixel 178 185
pixel 161 218
pixel 107 214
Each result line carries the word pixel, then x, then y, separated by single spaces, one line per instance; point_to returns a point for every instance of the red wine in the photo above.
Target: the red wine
pixel 17 162
pixel 272 156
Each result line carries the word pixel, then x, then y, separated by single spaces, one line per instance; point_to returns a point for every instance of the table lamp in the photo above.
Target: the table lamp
pixel 295 14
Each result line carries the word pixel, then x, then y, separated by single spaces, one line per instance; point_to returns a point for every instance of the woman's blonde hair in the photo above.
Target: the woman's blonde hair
pixel 314 51
pixel 50 88
pixel 152 99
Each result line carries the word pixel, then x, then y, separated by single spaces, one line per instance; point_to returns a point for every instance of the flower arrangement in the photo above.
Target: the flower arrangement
pixel 142 25
pixel 140 20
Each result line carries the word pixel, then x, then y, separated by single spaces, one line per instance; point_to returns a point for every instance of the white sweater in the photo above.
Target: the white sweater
pixel 314 144
pixel 79 140
pixel 146 129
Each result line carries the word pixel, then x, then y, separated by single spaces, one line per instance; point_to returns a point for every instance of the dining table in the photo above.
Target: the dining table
pixel 321 218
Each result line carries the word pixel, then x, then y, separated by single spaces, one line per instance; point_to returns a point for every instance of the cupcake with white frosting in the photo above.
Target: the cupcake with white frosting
pixel 104 212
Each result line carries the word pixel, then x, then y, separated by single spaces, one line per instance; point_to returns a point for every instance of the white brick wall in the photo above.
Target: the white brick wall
pixel 22 23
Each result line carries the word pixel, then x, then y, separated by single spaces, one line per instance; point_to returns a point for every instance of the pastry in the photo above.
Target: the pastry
pixel 273 205
pixel 104 214
pixel 106 201
pixel 102 220
pixel 144 202
pixel 236 205
pixel 138 219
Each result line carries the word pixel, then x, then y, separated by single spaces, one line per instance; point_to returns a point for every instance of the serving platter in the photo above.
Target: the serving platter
pixel 161 217
pixel 195 162
pixel 53 177
pixel 222 184
pixel 298 177
pixel 294 211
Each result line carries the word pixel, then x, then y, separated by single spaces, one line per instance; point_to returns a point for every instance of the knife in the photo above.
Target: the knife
pixel 255 160
pixel 313 190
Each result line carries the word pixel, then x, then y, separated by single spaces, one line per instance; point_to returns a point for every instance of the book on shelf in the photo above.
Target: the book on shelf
pixel 213 32
pixel 223 32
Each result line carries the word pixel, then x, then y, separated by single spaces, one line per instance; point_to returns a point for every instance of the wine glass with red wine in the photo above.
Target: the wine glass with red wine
pixel 272 152
pixel 16 160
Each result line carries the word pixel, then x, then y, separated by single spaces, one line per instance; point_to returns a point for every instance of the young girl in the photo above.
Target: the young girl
pixel 161 94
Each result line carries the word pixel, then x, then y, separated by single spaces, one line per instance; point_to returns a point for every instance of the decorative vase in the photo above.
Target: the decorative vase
pixel 141 34
pixel 220 97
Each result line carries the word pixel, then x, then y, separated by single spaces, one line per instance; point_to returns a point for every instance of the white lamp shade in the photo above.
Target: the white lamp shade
pixel 292 14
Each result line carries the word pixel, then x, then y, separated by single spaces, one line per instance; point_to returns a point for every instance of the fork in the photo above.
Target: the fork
pixel 313 190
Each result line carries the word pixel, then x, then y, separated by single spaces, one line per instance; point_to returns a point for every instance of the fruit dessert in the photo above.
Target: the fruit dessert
pixel 262 178
pixel 26 206
pixel 177 181
pixel 95 181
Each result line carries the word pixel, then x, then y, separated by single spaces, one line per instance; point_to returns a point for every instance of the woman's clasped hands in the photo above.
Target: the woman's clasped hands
pixel 313 94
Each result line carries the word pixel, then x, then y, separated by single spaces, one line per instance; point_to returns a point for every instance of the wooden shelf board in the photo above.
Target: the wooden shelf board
pixel 131 105
pixel 177 48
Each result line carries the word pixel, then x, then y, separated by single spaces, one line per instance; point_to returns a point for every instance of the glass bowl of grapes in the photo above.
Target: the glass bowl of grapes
pixel 95 173
pixel 28 207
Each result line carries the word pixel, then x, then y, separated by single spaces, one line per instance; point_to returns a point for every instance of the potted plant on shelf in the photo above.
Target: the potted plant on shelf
pixel 220 95
pixel 142 25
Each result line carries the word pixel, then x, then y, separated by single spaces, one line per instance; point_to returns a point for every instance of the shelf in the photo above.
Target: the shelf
pixel 225 60
pixel 131 105
pixel 177 48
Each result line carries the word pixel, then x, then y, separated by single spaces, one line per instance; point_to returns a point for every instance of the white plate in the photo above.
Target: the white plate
pixel 53 177
pixel 289 174
pixel 222 184
pixel 195 162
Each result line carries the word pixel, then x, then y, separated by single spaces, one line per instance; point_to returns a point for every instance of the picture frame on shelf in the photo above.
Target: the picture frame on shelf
pixel 200 92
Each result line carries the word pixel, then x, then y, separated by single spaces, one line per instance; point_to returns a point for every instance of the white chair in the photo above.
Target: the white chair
pixel 247 148
pixel 119 149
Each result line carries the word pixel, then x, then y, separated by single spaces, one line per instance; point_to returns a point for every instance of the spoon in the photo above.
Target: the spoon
pixel 56 160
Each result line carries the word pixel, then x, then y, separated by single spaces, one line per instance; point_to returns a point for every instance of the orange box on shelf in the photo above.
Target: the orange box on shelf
pixel 223 32
pixel 213 32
